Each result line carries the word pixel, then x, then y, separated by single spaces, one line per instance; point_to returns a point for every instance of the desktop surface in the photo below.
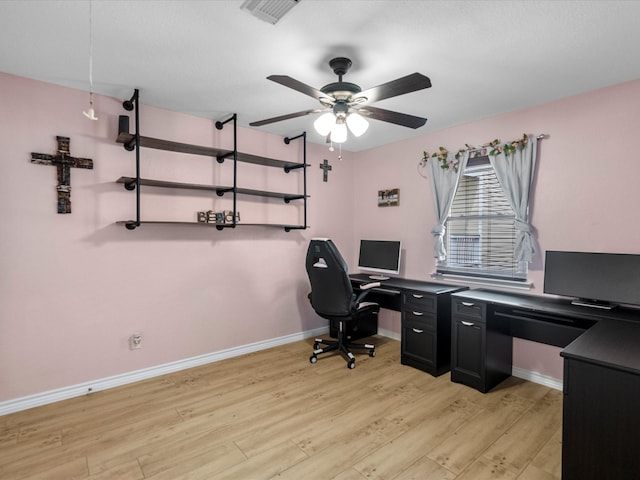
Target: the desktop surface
pixel 398 284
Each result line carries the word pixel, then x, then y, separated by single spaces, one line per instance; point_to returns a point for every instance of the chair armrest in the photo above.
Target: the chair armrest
pixel 367 286
pixel 365 290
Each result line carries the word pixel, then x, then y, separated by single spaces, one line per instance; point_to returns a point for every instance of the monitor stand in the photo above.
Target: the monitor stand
pixel 378 277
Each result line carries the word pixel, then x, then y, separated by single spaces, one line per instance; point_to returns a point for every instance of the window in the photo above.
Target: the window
pixel 480 230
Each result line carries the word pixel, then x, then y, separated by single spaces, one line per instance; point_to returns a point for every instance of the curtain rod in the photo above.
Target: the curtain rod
pixel 479 149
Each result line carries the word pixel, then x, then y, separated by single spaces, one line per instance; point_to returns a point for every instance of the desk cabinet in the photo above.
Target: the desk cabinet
pixel 425 310
pixel 481 347
pixel 426 331
pixel 600 421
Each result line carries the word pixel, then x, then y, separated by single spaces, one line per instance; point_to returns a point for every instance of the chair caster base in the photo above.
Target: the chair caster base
pixel 321 346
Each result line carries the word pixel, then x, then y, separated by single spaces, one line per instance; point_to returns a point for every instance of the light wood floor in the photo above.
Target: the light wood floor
pixel 272 414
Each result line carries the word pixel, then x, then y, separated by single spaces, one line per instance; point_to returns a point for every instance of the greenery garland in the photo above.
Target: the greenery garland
pixel 494 146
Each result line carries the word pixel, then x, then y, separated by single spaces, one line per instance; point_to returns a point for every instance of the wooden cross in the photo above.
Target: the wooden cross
pixel 63 161
pixel 325 167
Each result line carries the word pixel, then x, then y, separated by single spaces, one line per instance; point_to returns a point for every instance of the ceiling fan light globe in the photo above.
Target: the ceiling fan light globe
pixel 324 123
pixel 357 124
pixel 339 133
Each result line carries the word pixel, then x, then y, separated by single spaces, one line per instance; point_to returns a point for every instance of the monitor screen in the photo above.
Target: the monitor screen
pixel 381 256
pixel 593 279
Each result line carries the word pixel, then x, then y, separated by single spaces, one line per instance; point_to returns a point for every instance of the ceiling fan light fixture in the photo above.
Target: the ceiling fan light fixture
pixel 324 123
pixel 339 133
pixel 345 101
pixel 357 124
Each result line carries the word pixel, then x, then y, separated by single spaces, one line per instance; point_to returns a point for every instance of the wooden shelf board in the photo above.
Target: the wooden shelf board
pixel 167 145
pixel 215 188
pixel 269 162
pixel 165 184
pixel 170 146
pixel 202 224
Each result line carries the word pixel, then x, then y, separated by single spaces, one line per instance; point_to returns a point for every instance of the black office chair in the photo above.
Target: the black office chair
pixel 332 298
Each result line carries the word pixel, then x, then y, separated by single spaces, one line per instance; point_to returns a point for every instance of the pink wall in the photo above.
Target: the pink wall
pixel 586 194
pixel 73 288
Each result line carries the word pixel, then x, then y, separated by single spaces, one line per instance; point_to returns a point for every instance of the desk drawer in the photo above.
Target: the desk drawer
pixel 419 301
pixel 541 331
pixel 469 308
pixel 419 346
pixel 418 319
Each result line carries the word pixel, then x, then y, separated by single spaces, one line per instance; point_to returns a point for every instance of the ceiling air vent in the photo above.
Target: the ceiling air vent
pixel 268 10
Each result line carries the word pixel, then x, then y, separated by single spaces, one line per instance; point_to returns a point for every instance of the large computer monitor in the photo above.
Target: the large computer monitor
pixel 593 279
pixel 381 257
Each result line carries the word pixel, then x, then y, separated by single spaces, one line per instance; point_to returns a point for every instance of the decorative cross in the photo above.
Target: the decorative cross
pixel 63 161
pixel 325 167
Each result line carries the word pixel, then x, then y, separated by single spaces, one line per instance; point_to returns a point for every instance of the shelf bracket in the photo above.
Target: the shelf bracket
pixel 295 167
pixel 134 144
pixel 222 158
pixel 227 225
pixel 221 191
pixel 288 228
pixel 220 125
pixel 289 198
pixel 128 105
pixel 287 140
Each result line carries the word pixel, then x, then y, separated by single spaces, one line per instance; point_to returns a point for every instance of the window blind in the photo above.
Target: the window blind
pixel 480 232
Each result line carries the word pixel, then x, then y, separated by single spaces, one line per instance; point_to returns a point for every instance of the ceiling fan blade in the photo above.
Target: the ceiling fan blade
pixel 284 117
pixel 401 119
pixel 299 86
pixel 400 86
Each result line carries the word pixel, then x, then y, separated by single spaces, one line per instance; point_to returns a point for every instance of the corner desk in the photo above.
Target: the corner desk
pixel 601 386
pixel 470 332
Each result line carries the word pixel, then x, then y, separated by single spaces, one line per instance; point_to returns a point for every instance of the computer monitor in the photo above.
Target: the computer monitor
pixel 593 279
pixel 380 256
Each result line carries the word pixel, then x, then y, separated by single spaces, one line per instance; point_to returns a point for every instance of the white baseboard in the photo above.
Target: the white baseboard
pixel 44 398
pixel 536 377
pixel 389 334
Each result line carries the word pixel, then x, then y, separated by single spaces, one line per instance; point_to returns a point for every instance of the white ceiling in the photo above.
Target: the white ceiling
pixel 210 58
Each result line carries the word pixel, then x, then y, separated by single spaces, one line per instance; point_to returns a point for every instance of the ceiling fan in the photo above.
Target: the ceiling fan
pixel 346 104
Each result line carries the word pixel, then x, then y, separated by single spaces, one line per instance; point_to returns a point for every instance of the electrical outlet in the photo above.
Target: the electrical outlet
pixel 135 341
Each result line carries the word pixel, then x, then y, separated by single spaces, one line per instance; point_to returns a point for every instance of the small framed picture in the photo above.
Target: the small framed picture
pixel 389 198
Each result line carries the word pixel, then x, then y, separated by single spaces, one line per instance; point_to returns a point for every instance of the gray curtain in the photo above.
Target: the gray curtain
pixel 515 174
pixel 444 183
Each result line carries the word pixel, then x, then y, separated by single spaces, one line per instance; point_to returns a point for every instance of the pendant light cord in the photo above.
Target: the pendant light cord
pixel 91 48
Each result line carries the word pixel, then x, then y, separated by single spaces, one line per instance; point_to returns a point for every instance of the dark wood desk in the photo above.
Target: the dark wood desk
pixel 600 421
pixel 425 309
pixel 485 321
